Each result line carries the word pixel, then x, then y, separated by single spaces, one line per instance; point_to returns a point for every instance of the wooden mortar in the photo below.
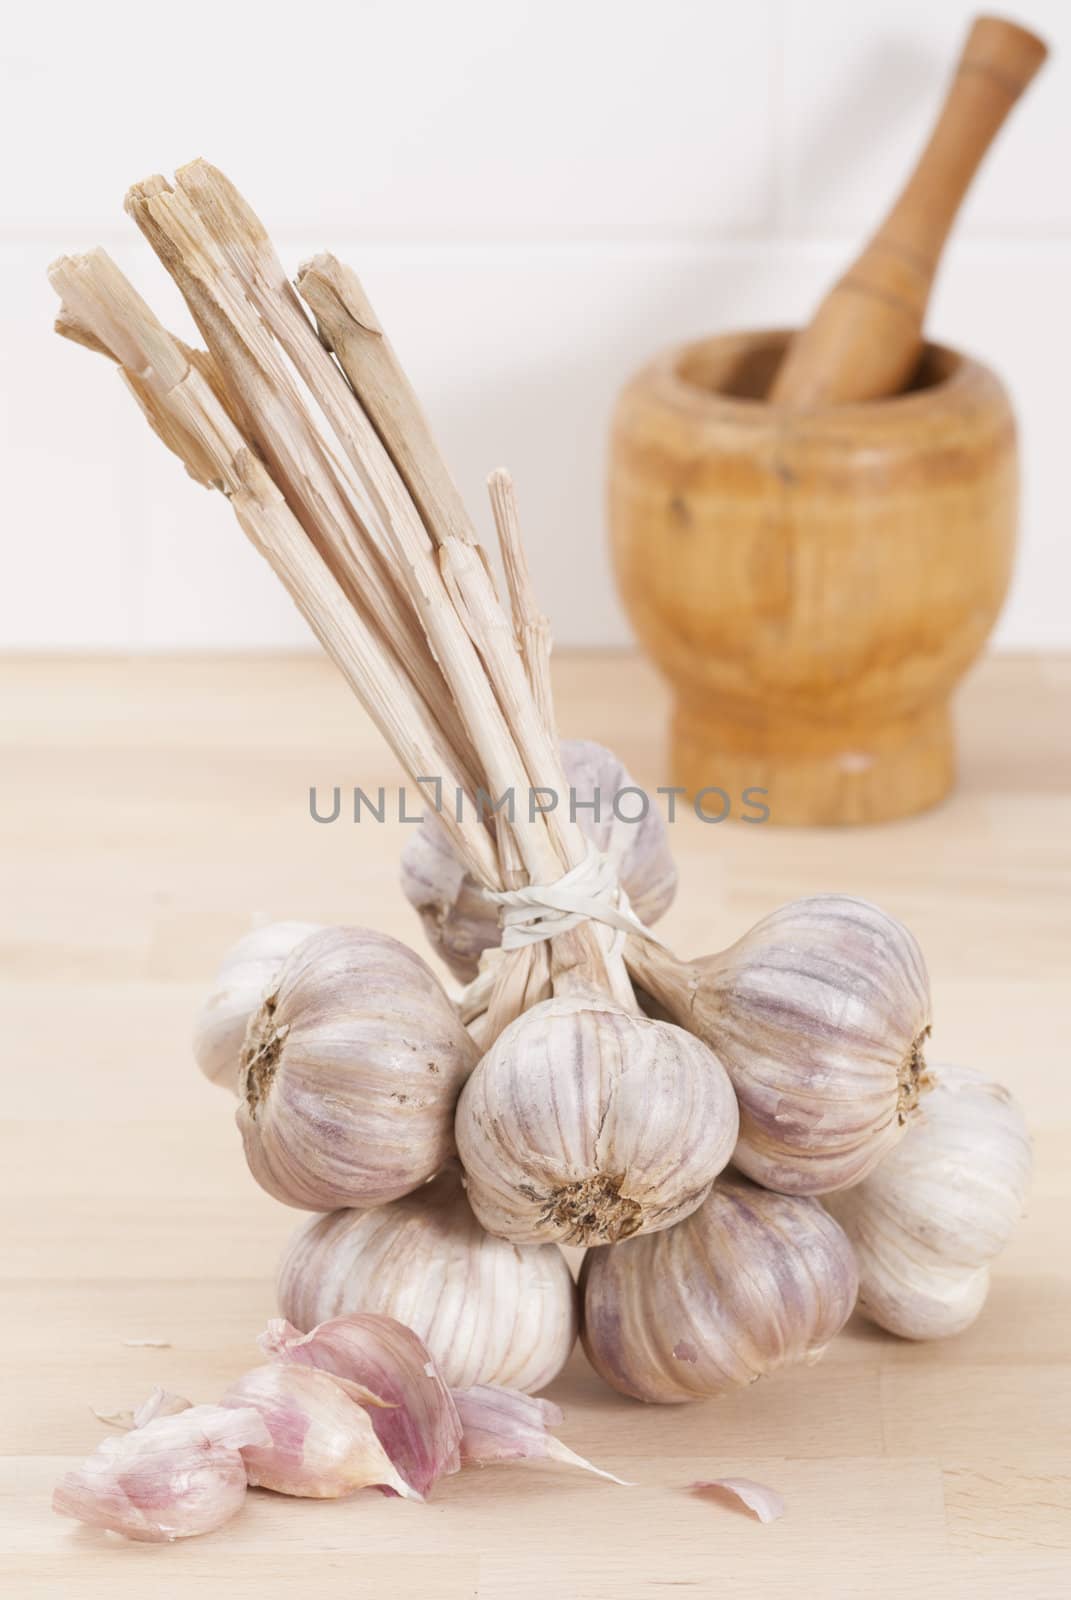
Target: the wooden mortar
pixel 812 583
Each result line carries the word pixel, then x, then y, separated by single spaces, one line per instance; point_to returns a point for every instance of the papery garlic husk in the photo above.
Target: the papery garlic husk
pixel 928 1221
pixel 461 923
pixel 820 1014
pixel 350 1073
pixel 419 1427
pixel 172 1477
pixel 489 1312
pixel 247 975
pixel 502 1425
pixel 586 1123
pixel 749 1283
pixel 322 1443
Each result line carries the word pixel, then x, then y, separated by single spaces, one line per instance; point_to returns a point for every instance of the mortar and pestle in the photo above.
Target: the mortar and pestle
pixel 813 532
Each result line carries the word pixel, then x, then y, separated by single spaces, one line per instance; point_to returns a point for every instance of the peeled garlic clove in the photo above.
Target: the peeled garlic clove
pixel 351 1070
pixel 928 1221
pixel 458 920
pixel 170 1478
pixel 503 1425
pixel 586 1124
pixel 819 1014
pixel 419 1428
pixel 322 1443
pixel 249 971
pixel 489 1312
pixel 749 1283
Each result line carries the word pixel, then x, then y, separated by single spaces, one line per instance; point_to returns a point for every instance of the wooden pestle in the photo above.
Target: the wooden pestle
pixel 865 339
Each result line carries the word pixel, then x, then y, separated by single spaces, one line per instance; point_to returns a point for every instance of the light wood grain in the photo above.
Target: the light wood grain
pixel 812 584
pixel 151 808
pixel 865 338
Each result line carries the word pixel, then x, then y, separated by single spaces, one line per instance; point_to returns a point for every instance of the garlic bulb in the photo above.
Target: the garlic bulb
pixel 586 1123
pixel 489 1312
pixel 749 1283
pixel 820 1014
pixel 927 1222
pixel 419 1426
pixel 249 970
pixel 350 1072
pixel 172 1477
pixel 461 924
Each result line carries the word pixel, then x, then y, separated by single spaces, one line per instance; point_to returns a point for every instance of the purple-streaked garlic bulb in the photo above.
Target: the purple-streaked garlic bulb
pixel 248 973
pixel 749 1283
pixel 585 1123
pixel 351 1070
pixel 419 1427
pixel 461 924
pixel 929 1220
pixel 321 1443
pixel 819 1015
pixel 171 1477
pixel 488 1311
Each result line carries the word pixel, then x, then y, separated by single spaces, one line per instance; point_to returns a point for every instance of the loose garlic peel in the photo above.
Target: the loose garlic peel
pixel 819 1014
pixel 351 1069
pixel 489 1312
pixel 586 1124
pixel 928 1221
pixel 458 919
pixel 750 1282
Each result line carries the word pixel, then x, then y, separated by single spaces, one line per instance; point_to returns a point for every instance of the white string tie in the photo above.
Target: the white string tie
pixel 588 892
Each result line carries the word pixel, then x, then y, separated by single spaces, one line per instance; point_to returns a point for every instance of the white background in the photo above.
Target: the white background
pixel 537 196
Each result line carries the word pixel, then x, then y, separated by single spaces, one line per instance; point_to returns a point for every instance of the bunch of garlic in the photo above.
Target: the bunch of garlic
pixel 458 919
pixel 928 1221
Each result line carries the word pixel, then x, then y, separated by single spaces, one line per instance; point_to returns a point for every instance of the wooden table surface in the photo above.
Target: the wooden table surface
pixel 153 808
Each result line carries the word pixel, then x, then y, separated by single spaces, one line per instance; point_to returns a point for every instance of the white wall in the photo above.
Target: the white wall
pixel 538 194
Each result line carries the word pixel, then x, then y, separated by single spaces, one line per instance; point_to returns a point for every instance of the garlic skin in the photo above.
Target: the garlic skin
pixel 351 1070
pixel 461 924
pixel 419 1427
pixel 819 1014
pixel 172 1477
pixel 489 1312
pixel 249 970
pixel 504 1425
pixel 585 1123
pixel 928 1221
pixel 321 1444
pixel 749 1283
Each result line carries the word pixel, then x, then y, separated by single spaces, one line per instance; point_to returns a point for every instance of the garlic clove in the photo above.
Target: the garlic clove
pixel 819 1013
pixel 249 970
pixel 321 1443
pixel 419 1428
pixel 585 1123
pixel 750 1282
pixel 488 1311
pixel 928 1221
pixel 351 1070
pixel 170 1478
pixel 460 923
pixel 504 1425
